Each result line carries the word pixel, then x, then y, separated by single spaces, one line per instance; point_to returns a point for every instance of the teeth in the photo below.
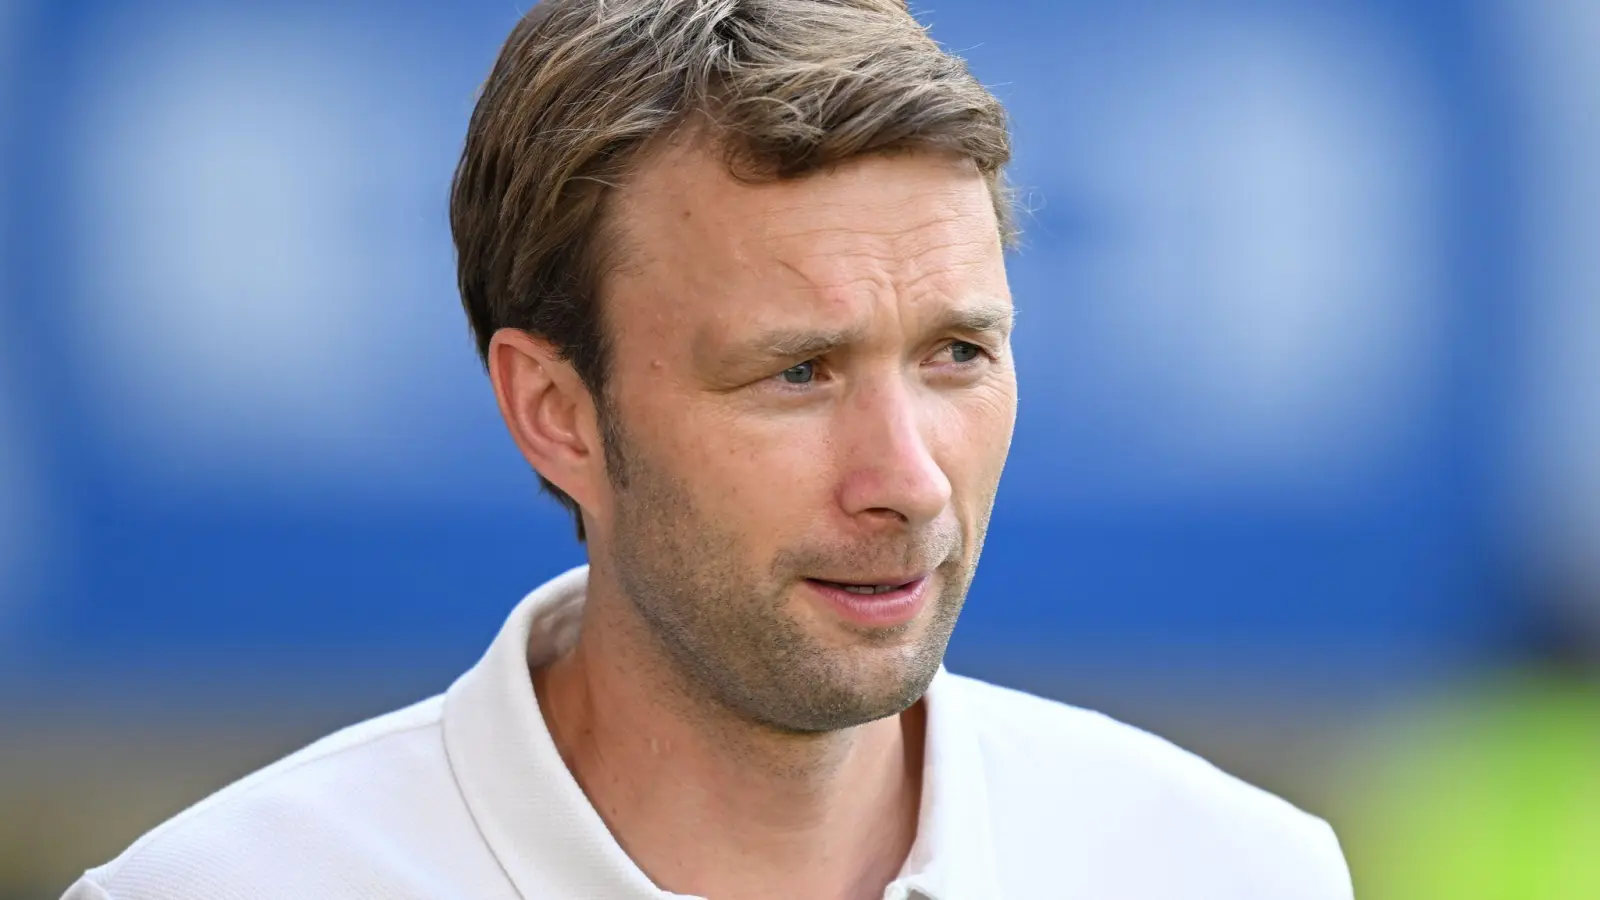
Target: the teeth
pixel 869 588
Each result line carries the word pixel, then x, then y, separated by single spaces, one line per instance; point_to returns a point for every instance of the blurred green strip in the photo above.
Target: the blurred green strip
pixel 1494 795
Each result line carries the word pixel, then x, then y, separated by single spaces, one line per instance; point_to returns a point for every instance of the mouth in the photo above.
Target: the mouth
pixel 874 602
pixel 866 589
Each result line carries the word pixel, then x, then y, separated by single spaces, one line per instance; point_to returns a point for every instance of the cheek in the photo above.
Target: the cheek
pixel 761 474
pixel 976 434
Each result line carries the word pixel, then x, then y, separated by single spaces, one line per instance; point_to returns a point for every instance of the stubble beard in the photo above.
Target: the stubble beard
pixel 727 630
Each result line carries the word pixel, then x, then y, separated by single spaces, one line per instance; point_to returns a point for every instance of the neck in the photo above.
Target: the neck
pixel 710 804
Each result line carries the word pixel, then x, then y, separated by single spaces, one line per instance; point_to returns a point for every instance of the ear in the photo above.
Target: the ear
pixel 549 412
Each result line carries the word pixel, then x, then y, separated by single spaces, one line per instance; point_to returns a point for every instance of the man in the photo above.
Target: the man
pixel 736 271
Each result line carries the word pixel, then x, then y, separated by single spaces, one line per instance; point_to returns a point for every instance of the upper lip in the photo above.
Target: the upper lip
pixel 896 580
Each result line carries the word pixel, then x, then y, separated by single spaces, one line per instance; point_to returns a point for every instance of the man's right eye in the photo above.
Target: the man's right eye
pixel 800 374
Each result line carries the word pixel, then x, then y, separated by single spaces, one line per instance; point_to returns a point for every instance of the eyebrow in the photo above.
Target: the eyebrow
pixel 792 343
pixel 989 318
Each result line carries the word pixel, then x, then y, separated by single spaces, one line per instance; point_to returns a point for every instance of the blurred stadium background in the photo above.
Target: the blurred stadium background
pixel 1307 475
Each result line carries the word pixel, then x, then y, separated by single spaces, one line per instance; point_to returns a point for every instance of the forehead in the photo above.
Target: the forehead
pixel 701 245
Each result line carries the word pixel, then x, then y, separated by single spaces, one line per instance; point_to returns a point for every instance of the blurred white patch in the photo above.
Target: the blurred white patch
pixel 1553 50
pixel 265 293
pixel 1257 307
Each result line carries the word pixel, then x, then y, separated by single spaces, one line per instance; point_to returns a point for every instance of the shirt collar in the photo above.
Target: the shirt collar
pixel 546 834
pixel 953 855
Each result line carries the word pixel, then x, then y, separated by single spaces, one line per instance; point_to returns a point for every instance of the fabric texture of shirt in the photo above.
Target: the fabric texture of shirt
pixel 465 796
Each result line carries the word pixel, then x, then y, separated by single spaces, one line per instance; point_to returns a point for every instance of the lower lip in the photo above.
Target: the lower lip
pixel 895 607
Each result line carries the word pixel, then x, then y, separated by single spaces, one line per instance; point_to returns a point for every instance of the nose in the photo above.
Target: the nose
pixel 891 470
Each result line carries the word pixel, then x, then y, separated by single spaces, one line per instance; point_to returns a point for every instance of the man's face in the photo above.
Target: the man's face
pixel 812 394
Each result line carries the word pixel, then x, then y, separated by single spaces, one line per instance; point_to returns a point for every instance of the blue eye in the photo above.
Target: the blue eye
pixel 962 352
pixel 801 374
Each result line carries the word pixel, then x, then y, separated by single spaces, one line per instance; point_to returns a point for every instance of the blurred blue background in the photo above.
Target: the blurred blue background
pixel 1309 336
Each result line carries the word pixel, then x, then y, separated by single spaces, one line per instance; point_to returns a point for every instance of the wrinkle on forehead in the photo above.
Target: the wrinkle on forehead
pixel 685 194
pixel 877 235
pixel 928 258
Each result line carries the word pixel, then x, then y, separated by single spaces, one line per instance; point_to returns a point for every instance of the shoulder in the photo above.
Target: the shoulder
pixel 314 819
pixel 1137 808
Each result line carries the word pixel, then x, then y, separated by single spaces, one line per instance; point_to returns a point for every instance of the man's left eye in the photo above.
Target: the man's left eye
pixel 803 373
pixel 961 351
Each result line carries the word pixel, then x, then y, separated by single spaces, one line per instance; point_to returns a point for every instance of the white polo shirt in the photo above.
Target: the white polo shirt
pixel 464 796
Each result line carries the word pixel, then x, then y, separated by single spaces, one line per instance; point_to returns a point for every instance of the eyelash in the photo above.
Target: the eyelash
pixel 983 355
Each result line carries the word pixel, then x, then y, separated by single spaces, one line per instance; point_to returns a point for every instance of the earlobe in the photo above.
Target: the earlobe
pixel 547 410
